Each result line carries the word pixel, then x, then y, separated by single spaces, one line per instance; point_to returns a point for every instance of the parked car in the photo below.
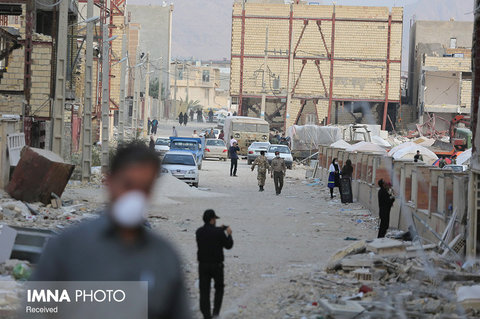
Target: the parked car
pixel 284 153
pixel 193 145
pixel 182 165
pixel 162 145
pixel 254 150
pixel 215 149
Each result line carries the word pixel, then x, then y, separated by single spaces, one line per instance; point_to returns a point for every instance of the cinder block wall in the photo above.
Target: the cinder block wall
pixel 432 202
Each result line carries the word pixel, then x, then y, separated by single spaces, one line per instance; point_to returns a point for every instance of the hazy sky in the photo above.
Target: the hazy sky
pixel 202 28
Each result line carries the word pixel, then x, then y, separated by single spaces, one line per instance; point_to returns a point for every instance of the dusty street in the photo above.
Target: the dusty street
pixel 276 237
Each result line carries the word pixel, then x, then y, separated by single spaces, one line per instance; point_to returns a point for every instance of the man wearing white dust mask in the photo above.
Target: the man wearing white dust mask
pixel 117 246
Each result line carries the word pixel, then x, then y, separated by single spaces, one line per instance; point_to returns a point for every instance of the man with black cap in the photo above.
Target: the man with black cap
pixel 210 241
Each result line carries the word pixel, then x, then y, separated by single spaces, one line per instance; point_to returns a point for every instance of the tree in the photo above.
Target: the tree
pixel 154 88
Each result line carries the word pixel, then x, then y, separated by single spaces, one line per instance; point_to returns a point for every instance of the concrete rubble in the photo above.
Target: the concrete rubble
pixel 381 279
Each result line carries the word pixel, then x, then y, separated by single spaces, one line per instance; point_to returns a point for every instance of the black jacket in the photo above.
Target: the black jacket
pixel 385 202
pixel 210 241
pixel 233 152
pixel 347 171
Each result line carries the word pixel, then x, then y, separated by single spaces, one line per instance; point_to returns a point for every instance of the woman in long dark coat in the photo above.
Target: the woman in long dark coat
pixel 180 118
pixel 185 119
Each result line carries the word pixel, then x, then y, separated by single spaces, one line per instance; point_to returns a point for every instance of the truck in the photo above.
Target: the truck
pixel 194 145
pixel 246 130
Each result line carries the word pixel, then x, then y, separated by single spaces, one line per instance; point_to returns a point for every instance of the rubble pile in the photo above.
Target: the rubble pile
pixel 384 278
pixel 38 215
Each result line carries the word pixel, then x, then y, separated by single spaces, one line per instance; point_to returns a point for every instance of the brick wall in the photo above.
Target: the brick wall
pixel 41 76
pixel 449 63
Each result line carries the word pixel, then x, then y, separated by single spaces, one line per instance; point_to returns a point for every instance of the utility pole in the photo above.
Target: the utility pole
pixel 290 70
pixel 121 107
pixel 185 66
pixel 105 99
pixel 136 98
pixel 264 86
pixel 87 104
pixel 147 110
pixel 175 92
pixel 160 81
pixel 60 80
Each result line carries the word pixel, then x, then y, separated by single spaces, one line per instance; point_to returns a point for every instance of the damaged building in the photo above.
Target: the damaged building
pixel 440 72
pixel 26 82
pixel 316 64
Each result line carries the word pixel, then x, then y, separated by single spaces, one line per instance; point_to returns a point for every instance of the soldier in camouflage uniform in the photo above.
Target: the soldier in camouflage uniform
pixel 263 167
pixel 278 172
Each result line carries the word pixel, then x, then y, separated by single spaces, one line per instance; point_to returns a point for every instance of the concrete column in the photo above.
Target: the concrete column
pixel 87 104
pixel 105 99
pixel 60 80
pixel 441 195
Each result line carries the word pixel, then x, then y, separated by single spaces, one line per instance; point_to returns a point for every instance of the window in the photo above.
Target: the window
pixel 238 126
pixel 250 127
pixel 178 159
pixel 162 141
pixel 262 128
pixel 216 143
pixel 310 119
pixel 184 145
pixel 453 43
pixel 206 76
pixel 280 149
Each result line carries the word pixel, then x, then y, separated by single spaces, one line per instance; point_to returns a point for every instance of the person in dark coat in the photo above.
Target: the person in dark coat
pixel 385 202
pixel 234 159
pixel 347 170
pixel 191 115
pixel 333 176
pixel 180 118
pixel 151 145
pixel 210 116
pixel 185 119
pixel 211 241
pixel 199 116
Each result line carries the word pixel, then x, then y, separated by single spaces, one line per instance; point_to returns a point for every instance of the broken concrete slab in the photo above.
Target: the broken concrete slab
pixel 350 263
pixel 355 248
pixel 469 296
pixel 29 243
pixel 39 173
pixel 386 246
pixel 345 309
pixel 18 208
pixel 7 240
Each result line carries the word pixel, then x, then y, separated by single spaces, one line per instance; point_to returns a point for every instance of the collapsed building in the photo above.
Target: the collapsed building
pixel 316 64
pixel 440 72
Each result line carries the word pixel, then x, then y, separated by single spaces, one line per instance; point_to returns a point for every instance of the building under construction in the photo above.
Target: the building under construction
pixel 316 64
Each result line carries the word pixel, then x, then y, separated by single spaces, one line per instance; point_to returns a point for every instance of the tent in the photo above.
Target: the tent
pixel 380 141
pixel 340 144
pixel 409 149
pixel 464 158
pixel 366 147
